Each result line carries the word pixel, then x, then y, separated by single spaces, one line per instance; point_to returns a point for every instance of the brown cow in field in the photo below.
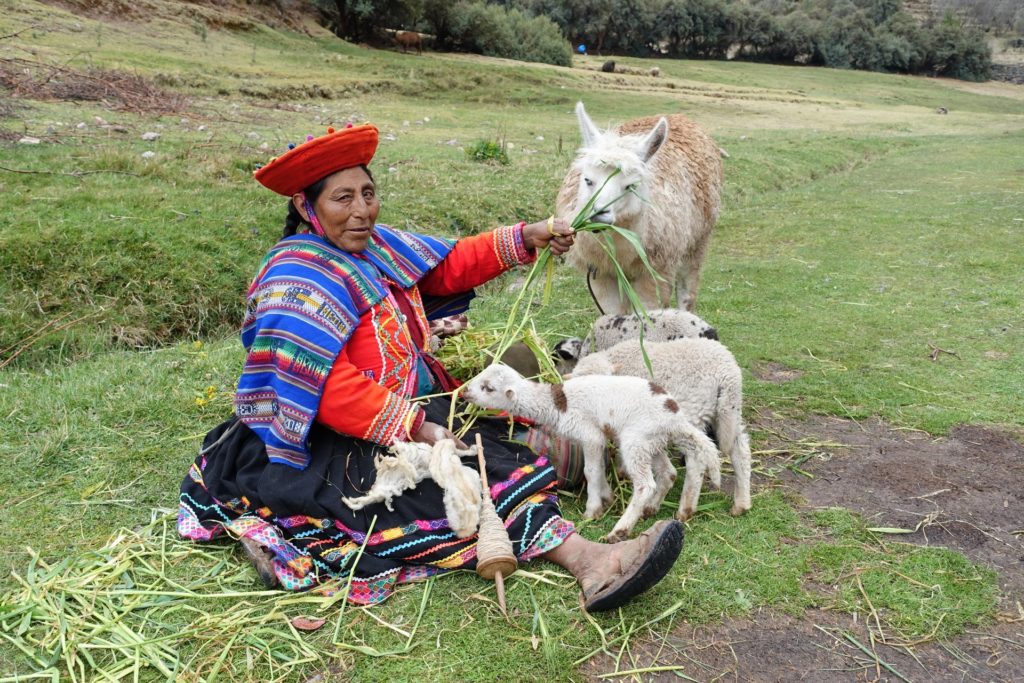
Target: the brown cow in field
pixel 409 39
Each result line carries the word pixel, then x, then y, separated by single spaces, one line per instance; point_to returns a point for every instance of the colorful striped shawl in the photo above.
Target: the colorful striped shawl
pixel 302 307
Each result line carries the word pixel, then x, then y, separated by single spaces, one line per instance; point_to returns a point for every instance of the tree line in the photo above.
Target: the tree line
pixel 875 35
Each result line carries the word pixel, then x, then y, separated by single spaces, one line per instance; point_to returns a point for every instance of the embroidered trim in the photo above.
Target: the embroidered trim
pixel 508 246
pixel 391 421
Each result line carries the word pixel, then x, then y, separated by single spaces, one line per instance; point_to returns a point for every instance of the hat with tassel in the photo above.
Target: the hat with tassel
pixel 316 158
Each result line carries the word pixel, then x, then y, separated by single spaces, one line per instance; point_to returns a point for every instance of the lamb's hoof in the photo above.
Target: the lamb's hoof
pixel 616 536
pixel 684 515
pixel 650 511
pixel 738 510
pixel 593 515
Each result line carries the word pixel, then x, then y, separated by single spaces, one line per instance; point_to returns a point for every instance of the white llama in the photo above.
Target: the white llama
pixel 667 190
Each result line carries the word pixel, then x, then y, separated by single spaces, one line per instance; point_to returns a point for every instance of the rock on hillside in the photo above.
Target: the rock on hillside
pixel 1011 73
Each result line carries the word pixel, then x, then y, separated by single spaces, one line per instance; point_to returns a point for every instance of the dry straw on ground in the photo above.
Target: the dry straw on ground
pixel 118 90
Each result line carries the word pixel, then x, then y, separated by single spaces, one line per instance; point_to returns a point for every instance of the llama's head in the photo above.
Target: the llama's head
pixel 622 195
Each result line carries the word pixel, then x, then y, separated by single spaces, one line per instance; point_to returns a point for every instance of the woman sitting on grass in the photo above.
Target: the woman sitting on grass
pixel 335 334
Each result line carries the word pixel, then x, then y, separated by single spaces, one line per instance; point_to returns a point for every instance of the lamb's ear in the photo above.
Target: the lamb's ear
pixel 510 394
pixel 654 140
pixel 587 128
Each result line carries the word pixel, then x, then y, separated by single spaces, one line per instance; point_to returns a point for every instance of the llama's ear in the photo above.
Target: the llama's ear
pixel 654 140
pixel 587 128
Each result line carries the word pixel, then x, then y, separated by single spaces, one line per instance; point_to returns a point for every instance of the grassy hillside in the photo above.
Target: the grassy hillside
pixel 861 231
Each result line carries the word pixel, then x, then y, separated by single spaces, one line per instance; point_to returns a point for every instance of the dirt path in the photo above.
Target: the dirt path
pixel 964 492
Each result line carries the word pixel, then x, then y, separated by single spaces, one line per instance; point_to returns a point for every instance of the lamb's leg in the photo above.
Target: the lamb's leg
pixel 599 493
pixel 703 456
pixel 691 490
pixel 665 475
pixel 637 457
pixel 735 443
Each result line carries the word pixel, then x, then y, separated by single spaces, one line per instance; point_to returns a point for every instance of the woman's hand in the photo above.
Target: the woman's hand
pixel 431 433
pixel 553 232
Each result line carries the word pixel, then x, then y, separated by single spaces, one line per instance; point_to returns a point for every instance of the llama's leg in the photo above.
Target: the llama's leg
pixel 599 494
pixel 735 443
pixel 653 293
pixel 637 458
pixel 606 291
pixel 688 276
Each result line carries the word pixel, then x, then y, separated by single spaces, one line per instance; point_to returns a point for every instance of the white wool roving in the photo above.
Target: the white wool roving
pixel 412 462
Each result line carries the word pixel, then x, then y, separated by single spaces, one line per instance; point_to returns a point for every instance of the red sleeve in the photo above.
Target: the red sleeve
pixel 475 260
pixel 355 405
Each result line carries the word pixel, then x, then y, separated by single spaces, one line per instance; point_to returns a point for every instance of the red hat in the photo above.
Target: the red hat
pixel 318 158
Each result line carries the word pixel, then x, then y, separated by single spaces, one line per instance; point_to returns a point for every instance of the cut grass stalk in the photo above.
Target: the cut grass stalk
pixel 664 615
pixel 105 615
pixel 645 670
pixel 582 223
pixel 405 649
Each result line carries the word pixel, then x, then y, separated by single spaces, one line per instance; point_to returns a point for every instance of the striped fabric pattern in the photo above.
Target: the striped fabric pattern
pixel 302 307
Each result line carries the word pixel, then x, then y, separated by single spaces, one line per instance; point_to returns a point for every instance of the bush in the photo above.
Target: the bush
pixel 851 38
pixel 495 31
pixel 488 150
pixel 959 52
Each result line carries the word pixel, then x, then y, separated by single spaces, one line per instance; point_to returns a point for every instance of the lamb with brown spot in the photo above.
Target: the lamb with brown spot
pixel 589 409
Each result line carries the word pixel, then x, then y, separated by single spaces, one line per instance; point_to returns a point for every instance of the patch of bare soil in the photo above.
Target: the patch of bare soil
pixel 119 90
pixel 821 647
pixel 776 373
pixel 232 15
pixel 965 491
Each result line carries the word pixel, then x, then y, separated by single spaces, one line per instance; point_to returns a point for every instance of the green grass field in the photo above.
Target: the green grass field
pixel 860 231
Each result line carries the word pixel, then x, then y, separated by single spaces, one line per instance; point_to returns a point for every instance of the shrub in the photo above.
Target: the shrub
pixel 959 52
pixel 500 32
pixel 488 151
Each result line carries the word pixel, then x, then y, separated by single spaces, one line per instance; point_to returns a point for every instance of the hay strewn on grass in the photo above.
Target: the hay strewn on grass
pixel 150 600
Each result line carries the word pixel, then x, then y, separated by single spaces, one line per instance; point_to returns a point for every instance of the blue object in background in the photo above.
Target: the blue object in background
pixel 582 49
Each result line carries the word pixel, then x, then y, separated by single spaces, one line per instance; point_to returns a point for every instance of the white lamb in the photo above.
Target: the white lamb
pixel 703 377
pixel 410 464
pixel 639 416
pixel 667 324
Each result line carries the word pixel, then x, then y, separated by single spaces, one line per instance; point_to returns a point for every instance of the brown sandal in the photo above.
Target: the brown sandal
pixel 262 559
pixel 659 547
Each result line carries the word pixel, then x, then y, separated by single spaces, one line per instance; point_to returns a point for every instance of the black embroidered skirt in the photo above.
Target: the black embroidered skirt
pixel 315 537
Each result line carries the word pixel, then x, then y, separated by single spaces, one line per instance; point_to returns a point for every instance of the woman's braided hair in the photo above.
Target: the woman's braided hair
pixel 294 219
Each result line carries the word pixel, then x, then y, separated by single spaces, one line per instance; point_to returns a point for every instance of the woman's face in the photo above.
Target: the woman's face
pixel 348 208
